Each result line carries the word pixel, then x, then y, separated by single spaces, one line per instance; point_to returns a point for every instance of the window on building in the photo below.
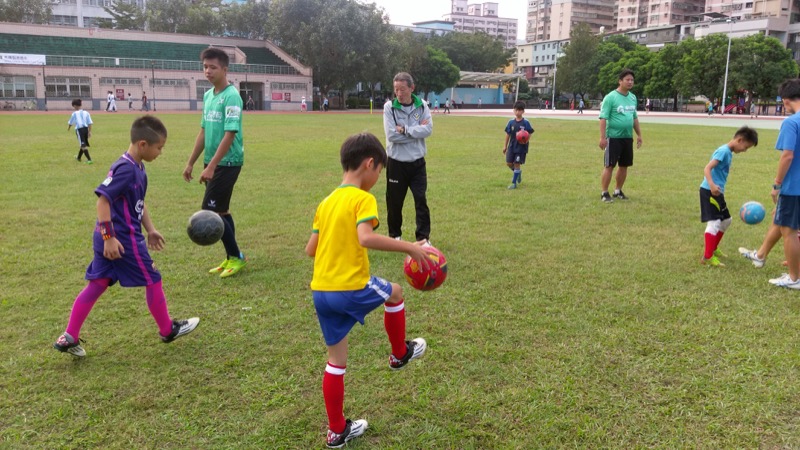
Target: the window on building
pixel 68 87
pixel 17 86
pixel 201 86
pixel 64 20
pixel 169 82
pixel 121 81
pixel 748 5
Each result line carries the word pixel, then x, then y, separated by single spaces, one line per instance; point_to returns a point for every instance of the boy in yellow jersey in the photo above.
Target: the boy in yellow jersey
pixel 343 289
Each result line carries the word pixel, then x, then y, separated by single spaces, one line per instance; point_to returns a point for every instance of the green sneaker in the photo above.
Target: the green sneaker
pixel 718 253
pixel 234 266
pixel 90 162
pixel 222 266
pixel 713 262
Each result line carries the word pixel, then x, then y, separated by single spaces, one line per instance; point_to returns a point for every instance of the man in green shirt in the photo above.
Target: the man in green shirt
pixel 220 141
pixel 617 119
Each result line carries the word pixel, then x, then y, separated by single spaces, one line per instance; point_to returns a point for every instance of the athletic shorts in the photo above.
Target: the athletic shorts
pixel 220 188
pixel 83 136
pixel 619 152
pixel 712 208
pixel 338 311
pixel 787 212
pixel 515 157
pixel 134 269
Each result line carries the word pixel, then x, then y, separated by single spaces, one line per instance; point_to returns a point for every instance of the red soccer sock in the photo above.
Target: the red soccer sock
pixel 711 245
pixel 394 320
pixel 719 238
pixel 333 392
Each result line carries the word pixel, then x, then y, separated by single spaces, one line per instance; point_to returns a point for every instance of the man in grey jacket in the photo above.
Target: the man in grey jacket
pixel 406 122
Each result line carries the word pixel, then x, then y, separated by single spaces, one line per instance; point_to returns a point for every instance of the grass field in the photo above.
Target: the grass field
pixel 564 323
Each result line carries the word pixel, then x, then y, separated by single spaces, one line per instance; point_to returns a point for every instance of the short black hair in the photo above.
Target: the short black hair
pixel 359 147
pixel 149 129
pixel 790 89
pixel 77 102
pixel 625 73
pixel 216 53
pixel 748 134
pixel 519 105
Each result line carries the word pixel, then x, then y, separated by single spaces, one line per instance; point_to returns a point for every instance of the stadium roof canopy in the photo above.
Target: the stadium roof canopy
pixel 485 77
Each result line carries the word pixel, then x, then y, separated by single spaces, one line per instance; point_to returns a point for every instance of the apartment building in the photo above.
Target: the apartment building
pixel 482 17
pixel 553 20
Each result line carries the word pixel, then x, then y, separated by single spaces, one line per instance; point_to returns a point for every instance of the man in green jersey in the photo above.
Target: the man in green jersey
pixel 617 119
pixel 220 141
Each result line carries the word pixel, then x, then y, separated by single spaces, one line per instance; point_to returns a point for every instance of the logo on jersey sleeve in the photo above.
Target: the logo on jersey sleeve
pixel 232 112
pixel 107 181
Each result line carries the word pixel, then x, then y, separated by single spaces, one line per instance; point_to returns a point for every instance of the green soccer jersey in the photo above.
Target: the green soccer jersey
pixel 620 112
pixel 223 112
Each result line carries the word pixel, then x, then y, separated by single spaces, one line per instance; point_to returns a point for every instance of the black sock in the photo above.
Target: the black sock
pixel 229 237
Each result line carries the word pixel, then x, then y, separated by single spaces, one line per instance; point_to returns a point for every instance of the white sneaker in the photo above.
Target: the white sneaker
pixel 354 429
pixel 752 255
pixel 427 243
pixel 785 281
pixel 398 238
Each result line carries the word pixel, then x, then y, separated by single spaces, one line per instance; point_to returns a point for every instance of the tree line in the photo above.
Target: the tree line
pixel 344 41
pixel 693 67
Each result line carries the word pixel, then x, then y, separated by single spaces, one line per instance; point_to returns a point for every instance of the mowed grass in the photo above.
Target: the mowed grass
pixel 564 323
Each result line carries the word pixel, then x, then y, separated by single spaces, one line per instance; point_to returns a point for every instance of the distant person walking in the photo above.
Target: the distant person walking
pixel 580 106
pixel 617 120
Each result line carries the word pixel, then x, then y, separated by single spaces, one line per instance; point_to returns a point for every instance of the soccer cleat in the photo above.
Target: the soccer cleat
pixel 90 162
pixel 785 281
pixel 606 198
pixel 718 253
pixel 222 266
pixel 619 195
pixel 180 328
pixel 512 186
pixel 427 243
pixel 752 255
pixel 233 267
pixel 64 345
pixel 352 430
pixel 397 238
pixel 713 262
pixel 414 349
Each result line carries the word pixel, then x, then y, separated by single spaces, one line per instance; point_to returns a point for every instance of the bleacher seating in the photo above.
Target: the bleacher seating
pixel 111 48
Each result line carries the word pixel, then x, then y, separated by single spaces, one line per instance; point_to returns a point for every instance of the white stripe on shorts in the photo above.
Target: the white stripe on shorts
pixel 378 290
pixel 334 370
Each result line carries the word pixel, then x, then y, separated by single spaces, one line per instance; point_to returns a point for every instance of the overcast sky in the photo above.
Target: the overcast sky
pixel 406 12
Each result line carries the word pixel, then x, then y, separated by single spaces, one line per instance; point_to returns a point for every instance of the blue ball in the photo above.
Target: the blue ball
pixel 752 213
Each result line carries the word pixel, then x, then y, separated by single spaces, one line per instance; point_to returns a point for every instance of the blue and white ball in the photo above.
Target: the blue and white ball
pixel 752 213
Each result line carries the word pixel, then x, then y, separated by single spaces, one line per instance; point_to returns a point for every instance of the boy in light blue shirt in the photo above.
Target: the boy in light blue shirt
pixel 713 209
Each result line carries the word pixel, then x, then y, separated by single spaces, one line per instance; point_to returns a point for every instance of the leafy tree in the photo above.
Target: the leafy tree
pixel 474 52
pixel 248 20
pixel 761 66
pixel 344 41
pixel 663 67
pixel 436 73
pixel 166 15
pixel 637 60
pixel 702 66
pixel 575 70
pixel 25 11
pixel 202 18
pixel 124 16
pixel 407 52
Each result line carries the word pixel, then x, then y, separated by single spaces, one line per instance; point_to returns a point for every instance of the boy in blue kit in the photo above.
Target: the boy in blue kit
pixel 515 151
pixel 83 129
pixel 713 209
pixel 786 190
pixel 120 249
pixel 344 291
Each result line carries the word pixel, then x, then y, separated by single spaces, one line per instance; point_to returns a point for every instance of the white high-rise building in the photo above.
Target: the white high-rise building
pixel 482 17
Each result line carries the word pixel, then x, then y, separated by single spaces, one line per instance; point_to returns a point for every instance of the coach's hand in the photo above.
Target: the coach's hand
pixel 207 174
pixel 603 143
pixel 639 142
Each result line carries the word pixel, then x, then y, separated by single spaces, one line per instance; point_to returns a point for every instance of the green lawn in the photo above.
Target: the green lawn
pixel 564 323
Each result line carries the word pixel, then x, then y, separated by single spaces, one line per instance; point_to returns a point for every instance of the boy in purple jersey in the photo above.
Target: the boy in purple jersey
pixel 120 249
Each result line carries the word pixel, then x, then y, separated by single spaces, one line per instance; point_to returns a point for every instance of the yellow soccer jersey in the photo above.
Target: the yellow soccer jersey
pixel 341 263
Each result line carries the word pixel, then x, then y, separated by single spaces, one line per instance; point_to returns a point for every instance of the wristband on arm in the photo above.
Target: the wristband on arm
pixel 107 230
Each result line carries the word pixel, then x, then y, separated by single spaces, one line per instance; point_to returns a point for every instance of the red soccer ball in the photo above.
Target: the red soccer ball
pixel 426 280
pixel 523 136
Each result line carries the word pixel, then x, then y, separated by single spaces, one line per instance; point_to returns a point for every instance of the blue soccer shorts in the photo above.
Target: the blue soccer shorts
pixel 338 311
